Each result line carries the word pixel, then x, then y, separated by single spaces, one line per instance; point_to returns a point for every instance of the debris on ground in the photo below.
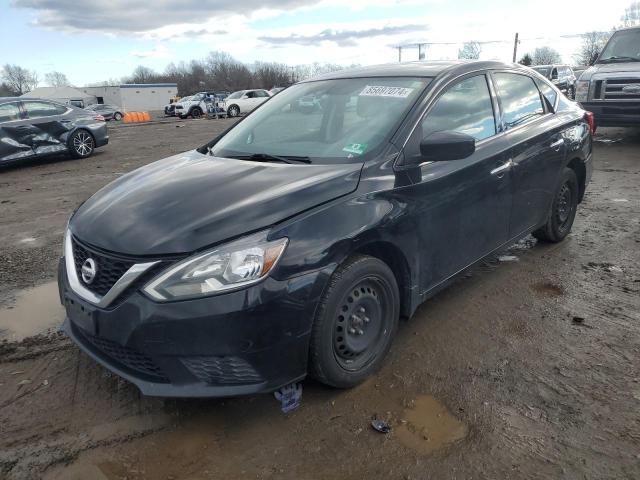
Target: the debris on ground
pixel 619 200
pixel 380 425
pixel 289 397
pixel 507 258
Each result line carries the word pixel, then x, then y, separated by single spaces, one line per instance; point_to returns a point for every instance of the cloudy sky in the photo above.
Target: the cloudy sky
pixel 96 40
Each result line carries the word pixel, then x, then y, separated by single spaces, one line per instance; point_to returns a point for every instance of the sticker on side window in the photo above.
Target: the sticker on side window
pixel 357 148
pixel 383 91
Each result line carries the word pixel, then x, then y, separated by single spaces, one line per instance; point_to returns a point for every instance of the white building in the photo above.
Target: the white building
pixel 129 97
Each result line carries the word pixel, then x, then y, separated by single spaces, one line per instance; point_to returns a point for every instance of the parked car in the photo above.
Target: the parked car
pixel 32 127
pixel 611 87
pixel 562 77
pixel 292 245
pixel 196 105
pixel 245 101
pixel 109 112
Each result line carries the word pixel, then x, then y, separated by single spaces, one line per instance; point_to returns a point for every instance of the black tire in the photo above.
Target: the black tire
pixel 563 210
pixel 196 112
pixel 81 144
pixel 571 93
pixel 233 111
pixel 117 116
pixel 355 322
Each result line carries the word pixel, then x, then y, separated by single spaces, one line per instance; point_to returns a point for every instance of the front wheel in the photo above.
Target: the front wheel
pixel 196 113
pixel 81 144
pixel 356 321
pixel 563 210
pixel 233 111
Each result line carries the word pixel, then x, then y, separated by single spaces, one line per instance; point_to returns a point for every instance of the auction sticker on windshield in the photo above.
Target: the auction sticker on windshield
pixel 383 91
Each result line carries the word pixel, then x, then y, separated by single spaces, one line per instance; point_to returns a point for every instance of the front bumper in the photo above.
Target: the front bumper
pixel 249 341
pixel 614 114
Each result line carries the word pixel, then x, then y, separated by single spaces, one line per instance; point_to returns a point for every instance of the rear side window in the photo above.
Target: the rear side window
pixel 9 111
pixel 466 107
pixel 549 93
pixel 520 99
pixel 43 109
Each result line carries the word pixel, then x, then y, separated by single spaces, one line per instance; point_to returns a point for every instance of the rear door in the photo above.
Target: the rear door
pixel 49 126
pixel 461 207
pixel 15 133
pixel 537 150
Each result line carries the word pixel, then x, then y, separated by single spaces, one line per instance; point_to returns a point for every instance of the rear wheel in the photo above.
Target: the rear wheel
pixel 81 144
pixel 117 116
pixel 563 210
pixel 355 324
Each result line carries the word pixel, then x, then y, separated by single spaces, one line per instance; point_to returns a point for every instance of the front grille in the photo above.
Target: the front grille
pixel 614 89
pixel 222 370
pixel 109 269
pixel 127 357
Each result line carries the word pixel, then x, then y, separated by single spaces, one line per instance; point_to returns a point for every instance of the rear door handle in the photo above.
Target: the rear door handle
pixel 557 144
pixel 499 171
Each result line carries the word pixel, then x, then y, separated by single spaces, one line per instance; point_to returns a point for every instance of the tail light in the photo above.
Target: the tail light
pixel 591 120
pixel 99 118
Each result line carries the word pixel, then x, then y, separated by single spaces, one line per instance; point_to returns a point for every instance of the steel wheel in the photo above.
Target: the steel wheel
pixel 82 144
pixel 564 206
pixel 359 326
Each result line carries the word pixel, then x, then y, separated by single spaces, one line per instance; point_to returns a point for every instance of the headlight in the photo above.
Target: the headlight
pixel 236 264
pixel 582 91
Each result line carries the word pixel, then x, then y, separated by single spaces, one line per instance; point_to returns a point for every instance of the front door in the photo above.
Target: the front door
pixel 461 207
pixel 15 133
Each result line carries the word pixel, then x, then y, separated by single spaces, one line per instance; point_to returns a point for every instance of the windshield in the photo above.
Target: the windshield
pixel 542 70
pixel 345 119
pixel 235 95
pixel 624 46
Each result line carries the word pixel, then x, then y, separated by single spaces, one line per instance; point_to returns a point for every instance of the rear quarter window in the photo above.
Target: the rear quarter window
pixel 519 97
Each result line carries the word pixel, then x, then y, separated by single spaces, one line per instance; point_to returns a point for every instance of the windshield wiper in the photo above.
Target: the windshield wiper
pixel 267 157
pixel 616 59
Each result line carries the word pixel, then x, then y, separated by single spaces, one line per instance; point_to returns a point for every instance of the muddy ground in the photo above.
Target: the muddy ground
pixel 521 369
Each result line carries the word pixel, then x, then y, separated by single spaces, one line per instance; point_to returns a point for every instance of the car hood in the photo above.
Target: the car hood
pixel 611 68
pixel 190 201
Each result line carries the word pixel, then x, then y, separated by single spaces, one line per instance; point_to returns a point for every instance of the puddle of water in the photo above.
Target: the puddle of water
pixel 429 426
pixel 34 311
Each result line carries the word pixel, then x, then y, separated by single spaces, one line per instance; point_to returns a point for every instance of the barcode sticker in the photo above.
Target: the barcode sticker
pixel 383 91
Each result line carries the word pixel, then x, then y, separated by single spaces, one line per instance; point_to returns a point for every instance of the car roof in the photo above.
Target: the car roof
pixel 416 69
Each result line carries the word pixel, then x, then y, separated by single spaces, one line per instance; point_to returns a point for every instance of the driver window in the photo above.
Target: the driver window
pixel 465 107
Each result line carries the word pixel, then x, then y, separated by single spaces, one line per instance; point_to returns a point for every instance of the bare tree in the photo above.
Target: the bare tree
pixel 18 79
pixel 142 74
pixel 470 51
pixel 526 60
pixel 56 79
pixel 592 45
pixel 631 15
pixel 546 56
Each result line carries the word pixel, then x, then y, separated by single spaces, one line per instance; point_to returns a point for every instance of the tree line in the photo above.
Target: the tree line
pixel 219 71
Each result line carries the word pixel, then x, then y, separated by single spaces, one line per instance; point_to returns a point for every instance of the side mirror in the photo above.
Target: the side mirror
pixel 448 145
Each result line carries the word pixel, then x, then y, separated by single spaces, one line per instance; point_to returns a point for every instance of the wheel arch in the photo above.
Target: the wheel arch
pixel 578 167
pixel 393 257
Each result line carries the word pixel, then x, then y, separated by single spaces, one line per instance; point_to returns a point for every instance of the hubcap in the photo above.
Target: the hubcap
pixel 83 143
pixel 359 326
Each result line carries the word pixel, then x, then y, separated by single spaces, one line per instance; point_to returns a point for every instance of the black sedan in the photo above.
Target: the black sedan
pixel 35 127
pixel 292 244
pixel 109 112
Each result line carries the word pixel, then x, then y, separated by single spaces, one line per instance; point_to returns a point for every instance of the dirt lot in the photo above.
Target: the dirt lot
pixel 522 369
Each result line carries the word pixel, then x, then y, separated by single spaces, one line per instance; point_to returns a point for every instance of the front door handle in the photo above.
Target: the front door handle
pixel 557 145
pixel 499 171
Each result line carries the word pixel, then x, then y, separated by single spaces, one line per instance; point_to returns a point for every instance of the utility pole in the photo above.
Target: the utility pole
pixel 515 48
pixel 399 53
